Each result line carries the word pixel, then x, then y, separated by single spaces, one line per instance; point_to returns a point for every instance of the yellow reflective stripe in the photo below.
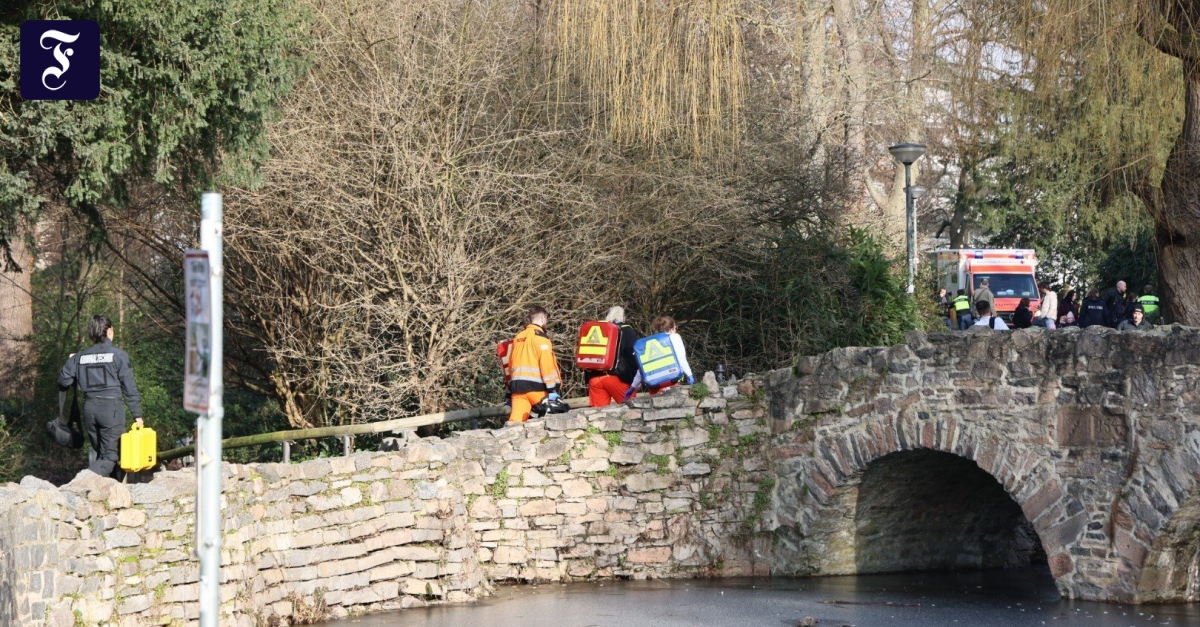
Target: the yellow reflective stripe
pixel 664 362
pixel 595 337
pixel 593 350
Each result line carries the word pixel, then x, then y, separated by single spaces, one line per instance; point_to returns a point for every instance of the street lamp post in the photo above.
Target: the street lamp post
pixel 915 193
pixel 908 153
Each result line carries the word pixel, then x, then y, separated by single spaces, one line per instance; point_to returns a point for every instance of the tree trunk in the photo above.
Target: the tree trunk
pixel 17 371
pixel 1177 224
pixel 892 201
pixel 958 229
pixel 847 16
pixel 813 52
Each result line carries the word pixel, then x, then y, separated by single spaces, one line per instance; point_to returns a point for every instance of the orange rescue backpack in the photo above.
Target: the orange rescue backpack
pixel 504 352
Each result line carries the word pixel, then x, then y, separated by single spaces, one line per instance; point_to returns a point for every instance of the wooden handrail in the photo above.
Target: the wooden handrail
pixel 398 424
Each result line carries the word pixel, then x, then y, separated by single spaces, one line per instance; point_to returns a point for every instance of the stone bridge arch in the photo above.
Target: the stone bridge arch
pixel 819 495
pixel 1094 434
pixel 1158 525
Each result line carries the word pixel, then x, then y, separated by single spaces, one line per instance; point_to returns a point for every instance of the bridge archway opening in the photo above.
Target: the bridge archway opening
pixel 929 510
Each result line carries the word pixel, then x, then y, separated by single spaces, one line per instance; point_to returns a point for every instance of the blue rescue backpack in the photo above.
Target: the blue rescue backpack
pixel 656 359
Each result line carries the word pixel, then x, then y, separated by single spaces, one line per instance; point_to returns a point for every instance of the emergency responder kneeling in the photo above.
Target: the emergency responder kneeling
pixel 962 310
pixel 535 374
pixel 610 372
pixel 104 374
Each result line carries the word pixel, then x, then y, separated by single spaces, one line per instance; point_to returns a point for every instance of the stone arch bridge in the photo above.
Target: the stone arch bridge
pixel 964 450
pixel 905 458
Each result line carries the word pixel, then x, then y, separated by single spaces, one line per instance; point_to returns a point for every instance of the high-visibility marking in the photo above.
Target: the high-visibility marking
pixel 595 337
pixel 593 350
pixel 657 356
pixel 654 350
pixel 658 364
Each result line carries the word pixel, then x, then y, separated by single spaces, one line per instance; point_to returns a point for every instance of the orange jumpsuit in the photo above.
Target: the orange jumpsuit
pixel 534 371
pixel 606 388
pixel 612 386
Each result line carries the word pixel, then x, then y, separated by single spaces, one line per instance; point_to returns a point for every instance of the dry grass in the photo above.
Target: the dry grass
pixel 306 613
pixel 658 71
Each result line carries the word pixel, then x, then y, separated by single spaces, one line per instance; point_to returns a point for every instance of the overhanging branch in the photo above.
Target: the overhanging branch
pixel 1154 27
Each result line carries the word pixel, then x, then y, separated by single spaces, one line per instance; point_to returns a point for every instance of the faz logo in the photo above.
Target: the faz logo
pixel 60 60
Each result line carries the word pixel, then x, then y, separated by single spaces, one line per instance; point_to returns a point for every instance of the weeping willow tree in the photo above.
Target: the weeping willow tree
pixel 1116 98
pixel 657 72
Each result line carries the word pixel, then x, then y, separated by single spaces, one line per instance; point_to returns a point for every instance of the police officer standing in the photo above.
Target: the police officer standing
pixel 103 373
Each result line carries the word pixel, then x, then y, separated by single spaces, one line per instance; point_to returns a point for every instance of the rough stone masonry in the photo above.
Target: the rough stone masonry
pixel 975 449
pixel 1093 433
pixel 672 486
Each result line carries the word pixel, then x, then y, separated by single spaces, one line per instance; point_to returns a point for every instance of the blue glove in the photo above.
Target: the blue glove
pixel 553 396
pixel 691 380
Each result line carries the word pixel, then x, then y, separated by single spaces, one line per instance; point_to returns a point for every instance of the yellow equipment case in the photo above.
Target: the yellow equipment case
pixel 139 449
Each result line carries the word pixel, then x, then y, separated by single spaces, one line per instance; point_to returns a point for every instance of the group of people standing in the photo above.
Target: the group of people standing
pixel 1118 308
pixel 535 375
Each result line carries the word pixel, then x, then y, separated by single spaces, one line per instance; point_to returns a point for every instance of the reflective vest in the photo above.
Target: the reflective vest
pixel 962 303
pixel 532 362
pixel 1149 304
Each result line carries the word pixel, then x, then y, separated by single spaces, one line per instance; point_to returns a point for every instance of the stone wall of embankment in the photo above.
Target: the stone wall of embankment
pixel 673 486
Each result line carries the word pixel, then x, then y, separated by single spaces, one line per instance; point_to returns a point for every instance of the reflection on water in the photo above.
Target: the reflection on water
pixel 993 598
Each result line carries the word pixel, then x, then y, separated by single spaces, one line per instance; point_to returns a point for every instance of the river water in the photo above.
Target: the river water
pixel 993 598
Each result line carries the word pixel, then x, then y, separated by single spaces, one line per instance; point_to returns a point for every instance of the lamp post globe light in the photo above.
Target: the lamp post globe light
pixel 908 153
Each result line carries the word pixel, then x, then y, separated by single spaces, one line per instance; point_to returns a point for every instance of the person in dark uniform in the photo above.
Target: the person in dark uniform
pixel 612 386
pixel 104 374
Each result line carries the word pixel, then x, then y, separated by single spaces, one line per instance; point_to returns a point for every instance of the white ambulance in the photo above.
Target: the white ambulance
pixel 1010 272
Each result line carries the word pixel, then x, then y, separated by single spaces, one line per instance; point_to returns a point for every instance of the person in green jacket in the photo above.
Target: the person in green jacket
pixel 962 310
pixel 1149 303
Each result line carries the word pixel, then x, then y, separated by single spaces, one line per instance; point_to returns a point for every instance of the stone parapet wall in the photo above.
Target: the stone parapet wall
pixel 670 486
pixel 1093 435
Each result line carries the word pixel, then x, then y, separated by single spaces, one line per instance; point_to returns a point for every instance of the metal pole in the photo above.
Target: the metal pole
pixel 287 451
pixel 911 226
pixel 208 426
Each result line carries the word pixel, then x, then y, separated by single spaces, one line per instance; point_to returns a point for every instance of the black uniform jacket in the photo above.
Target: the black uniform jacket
pixel 626 367
pixel 102 371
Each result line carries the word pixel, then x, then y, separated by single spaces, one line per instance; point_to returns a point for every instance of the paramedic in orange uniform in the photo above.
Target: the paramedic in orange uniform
pixel 535 373
pixel 611 386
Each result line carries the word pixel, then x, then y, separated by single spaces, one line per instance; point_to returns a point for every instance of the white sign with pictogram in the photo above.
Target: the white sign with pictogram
pixel 198 354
